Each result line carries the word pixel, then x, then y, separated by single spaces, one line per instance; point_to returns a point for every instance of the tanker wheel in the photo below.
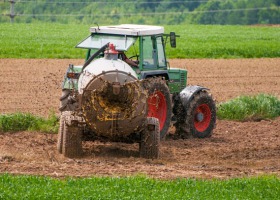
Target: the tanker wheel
pixel 201 116
pixel 159 104
pixel 66 102
pixel 60 134
pixel 150 139
pixel 72 139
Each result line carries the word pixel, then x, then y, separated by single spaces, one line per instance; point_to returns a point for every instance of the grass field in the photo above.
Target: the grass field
pixel 32 187
pixel 195 41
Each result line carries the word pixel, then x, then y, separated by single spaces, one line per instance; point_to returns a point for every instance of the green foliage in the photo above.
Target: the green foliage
pixel 26 121
pixel 238 12
pixel 34 187
pixel 145 12
pixel 195 41
pixel 250 108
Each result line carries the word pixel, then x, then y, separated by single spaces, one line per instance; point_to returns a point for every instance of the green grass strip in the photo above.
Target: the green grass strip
pixel 250 108
pixel 26 121
pixel 34 187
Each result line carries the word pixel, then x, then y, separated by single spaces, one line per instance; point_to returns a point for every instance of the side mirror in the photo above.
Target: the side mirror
pixel 173 39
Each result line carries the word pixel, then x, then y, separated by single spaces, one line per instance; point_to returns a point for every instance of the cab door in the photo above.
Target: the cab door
pixel 153 53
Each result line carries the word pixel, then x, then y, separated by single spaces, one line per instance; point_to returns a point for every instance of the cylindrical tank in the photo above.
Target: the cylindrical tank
pixel 113 101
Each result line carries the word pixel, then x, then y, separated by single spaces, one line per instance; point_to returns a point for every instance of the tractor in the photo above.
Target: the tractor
pixel 108 99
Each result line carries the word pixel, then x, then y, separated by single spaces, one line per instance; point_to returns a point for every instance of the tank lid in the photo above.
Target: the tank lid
pixel 111 49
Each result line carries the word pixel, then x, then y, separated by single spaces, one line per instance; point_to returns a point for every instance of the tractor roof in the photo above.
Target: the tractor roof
pixel 128 29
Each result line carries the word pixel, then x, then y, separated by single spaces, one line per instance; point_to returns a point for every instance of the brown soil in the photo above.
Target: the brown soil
pixel 235 149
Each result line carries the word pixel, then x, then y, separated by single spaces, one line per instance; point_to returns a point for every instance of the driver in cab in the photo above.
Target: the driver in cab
pixel 127 60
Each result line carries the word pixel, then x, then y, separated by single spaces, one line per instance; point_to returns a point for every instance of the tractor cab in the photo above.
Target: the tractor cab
pixel 143 43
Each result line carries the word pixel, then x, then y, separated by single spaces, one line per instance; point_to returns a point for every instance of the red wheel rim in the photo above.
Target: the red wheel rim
pixel 202 117
pixel 157 107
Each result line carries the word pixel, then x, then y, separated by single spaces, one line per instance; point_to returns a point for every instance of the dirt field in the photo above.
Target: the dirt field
pixel 235 149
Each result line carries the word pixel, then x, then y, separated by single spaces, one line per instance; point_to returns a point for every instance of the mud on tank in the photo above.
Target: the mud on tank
pixel 113 101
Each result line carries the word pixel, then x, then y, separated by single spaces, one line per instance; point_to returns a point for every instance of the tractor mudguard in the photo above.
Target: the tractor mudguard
pixel 187 94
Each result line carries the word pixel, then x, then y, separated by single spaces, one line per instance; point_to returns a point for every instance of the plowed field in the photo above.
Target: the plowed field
pixel 235 149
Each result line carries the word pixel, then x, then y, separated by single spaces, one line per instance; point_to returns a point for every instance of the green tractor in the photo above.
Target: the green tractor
pixel 113 98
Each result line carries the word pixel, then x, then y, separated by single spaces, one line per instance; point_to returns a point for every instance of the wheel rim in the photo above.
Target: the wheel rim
pixel 202 117
pixel 157 107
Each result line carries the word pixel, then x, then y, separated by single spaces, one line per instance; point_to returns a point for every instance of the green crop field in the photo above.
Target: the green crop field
pixel 32 187
pixel 250 108
pixel 195 41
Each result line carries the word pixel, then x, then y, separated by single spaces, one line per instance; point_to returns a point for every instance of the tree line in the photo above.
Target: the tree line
pixel 171 12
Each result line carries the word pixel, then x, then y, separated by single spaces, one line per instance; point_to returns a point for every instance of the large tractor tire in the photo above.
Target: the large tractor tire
pixel 67 102
pixel 199 117
pixel 150 139
pixel 70 136
pixel 159 104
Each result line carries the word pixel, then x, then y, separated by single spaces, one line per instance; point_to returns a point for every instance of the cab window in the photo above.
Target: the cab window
pixel 148 53
pixel 161 55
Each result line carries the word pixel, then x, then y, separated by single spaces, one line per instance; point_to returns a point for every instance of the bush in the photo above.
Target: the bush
pixel 26 121
pixel 250 108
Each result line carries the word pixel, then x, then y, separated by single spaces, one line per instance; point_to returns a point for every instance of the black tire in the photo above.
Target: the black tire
pixel 72 140
pixel 200 117
pixel 154 86
pixel 60 134
pixel 67 102
pixel 150 139
pixel 179 115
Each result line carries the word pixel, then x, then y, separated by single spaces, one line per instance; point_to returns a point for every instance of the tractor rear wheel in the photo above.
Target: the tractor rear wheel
pixel 150 139
pixel 72 137
pixel 67 102
pixel 159 104
pixel 200 117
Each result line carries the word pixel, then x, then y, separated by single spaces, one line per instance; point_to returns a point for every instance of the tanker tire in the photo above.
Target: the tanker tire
pixel 65 101
pixel 150 139
pixel 158 84
pixel 60 134
pixel 72 139
pixel 204 102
